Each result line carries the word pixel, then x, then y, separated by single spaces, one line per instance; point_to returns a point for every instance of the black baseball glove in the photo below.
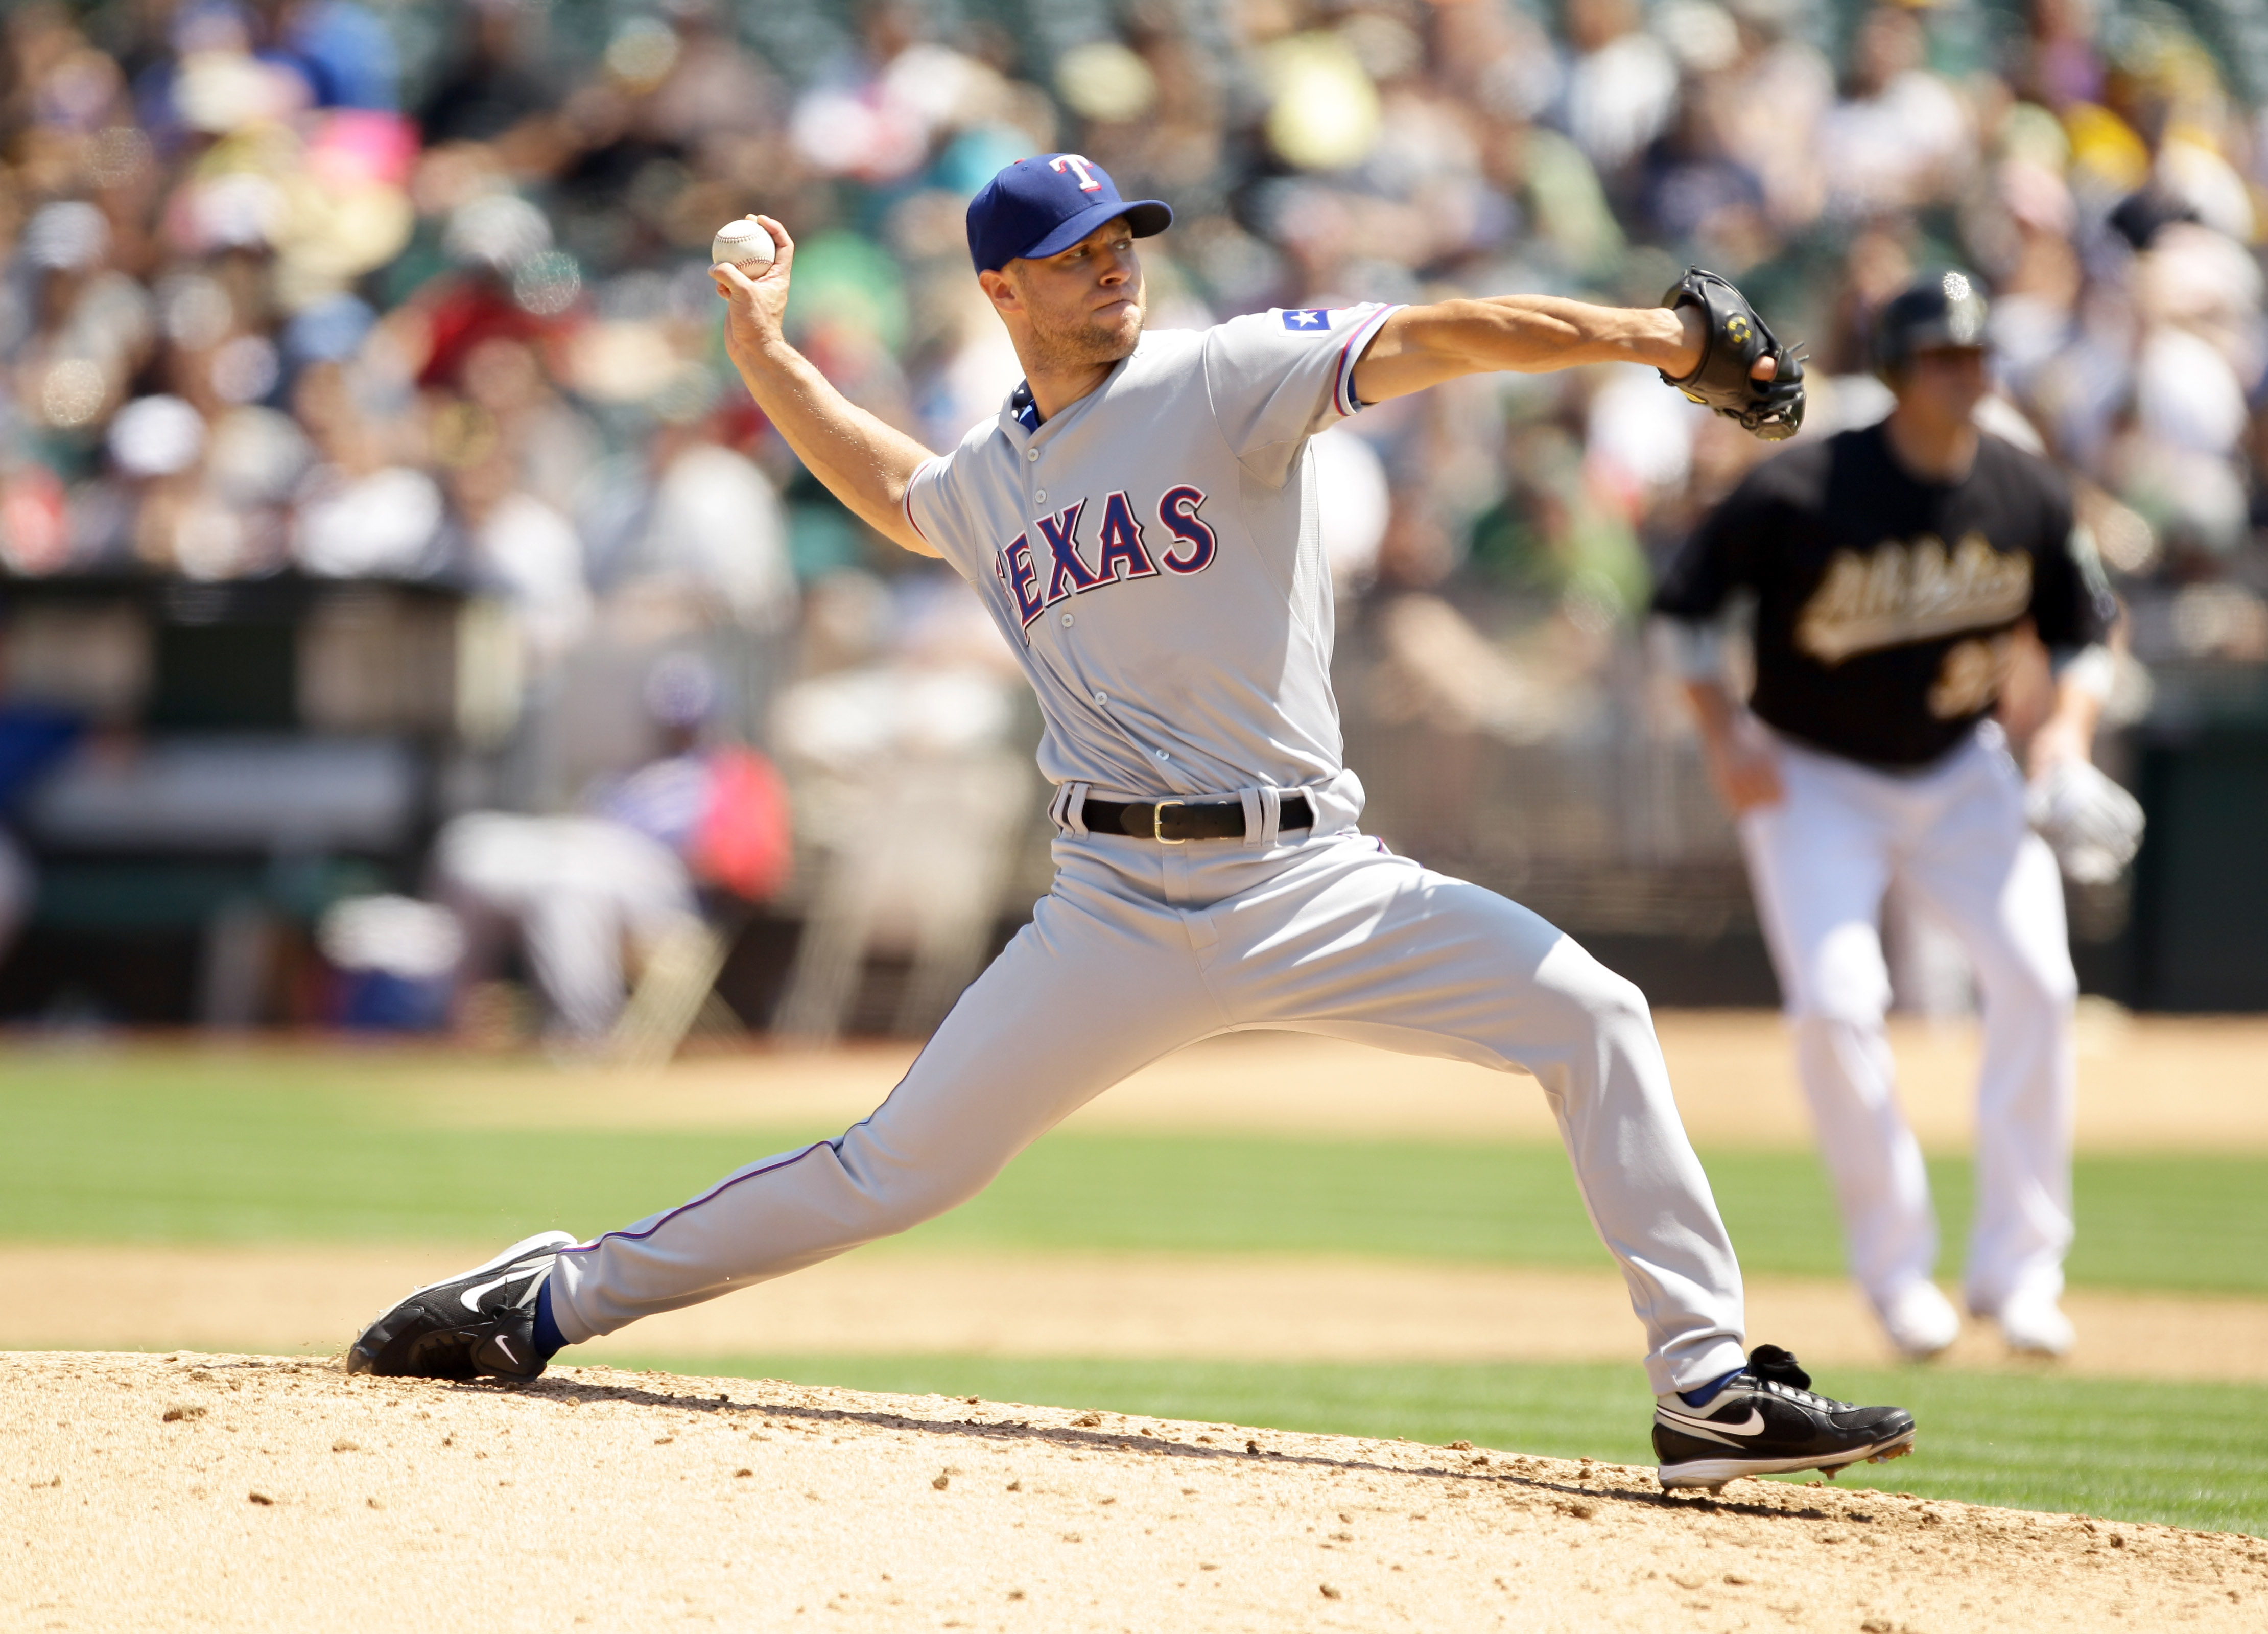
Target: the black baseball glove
pixel 1734 339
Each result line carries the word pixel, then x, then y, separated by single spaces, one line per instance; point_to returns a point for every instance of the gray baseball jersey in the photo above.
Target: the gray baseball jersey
pixel 1152 553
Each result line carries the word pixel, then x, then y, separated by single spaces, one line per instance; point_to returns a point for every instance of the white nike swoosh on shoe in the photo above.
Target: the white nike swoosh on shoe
pixel 504 1345
pixel 472 1296
pixel 1755 1424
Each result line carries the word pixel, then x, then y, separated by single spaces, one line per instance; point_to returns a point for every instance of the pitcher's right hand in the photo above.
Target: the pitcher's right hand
pixel 757 308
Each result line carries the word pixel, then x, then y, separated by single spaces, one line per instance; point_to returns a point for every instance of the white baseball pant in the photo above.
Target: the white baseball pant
pixel 1141 947
pixel 1953 836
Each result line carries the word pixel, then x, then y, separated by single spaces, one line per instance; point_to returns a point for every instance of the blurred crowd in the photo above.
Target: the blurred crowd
pixel 375 287
pixel 385 290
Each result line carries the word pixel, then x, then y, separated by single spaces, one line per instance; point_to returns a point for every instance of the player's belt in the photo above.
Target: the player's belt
pixel 1173 821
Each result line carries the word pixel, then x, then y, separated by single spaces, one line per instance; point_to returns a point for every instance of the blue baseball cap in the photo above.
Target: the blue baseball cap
pixel 1043 205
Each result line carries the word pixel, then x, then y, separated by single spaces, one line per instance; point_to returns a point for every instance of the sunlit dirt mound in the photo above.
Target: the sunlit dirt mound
pixel 194 1492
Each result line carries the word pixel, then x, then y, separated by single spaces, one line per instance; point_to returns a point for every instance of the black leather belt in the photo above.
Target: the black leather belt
pixel 1171 822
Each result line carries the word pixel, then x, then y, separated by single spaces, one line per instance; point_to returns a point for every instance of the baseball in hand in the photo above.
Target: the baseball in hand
pixel 744 244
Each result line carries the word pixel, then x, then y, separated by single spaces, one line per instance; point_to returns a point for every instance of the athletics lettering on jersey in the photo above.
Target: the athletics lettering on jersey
pixel 1900 594
pixel 1882 600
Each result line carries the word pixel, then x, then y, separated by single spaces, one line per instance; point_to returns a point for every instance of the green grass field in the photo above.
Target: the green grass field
pixel 2186 1455
pixel 201 1147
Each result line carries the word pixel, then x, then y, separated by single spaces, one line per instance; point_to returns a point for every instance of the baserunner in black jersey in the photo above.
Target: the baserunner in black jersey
pixel 1892 569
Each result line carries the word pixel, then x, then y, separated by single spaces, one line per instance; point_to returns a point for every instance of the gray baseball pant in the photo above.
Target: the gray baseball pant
pixel 1141 947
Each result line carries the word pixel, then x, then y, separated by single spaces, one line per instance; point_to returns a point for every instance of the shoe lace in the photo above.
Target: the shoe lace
pixel 1806 1398
pixel 1778 1372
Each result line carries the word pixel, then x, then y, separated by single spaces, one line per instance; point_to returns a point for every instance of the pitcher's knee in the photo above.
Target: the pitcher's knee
pixel 1595 997
pixel 898 1196
pixel 901 1207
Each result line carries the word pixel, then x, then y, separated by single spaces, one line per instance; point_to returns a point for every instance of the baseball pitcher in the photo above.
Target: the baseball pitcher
pixel 1140 519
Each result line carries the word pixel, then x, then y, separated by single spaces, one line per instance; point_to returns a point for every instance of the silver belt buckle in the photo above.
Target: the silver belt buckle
pixel 1157 822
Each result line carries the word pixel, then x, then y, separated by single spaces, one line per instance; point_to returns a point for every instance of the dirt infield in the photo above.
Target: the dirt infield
pixel 257 1494
pixel 1213 1307
pixel 2146 1084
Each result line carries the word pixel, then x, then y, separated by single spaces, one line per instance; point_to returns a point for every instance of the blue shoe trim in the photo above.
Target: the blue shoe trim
pixel 1700 1397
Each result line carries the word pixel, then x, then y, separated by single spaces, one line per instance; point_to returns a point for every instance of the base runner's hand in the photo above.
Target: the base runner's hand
pixel 2056 741
pixel 1744 772
pixel 756 307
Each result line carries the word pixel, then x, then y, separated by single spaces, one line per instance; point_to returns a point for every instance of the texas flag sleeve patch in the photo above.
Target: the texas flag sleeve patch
pixel 1308 320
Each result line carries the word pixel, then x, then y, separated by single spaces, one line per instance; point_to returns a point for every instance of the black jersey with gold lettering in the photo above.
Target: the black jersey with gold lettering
pixel 1886 604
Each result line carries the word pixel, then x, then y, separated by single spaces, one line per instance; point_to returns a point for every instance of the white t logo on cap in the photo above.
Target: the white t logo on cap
pixel 1087 180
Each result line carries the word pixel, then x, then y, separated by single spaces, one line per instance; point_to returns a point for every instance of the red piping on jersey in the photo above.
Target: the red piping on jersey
pixel 907 500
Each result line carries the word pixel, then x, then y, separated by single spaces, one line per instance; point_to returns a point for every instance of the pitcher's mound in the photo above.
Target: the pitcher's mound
pixel 258 1493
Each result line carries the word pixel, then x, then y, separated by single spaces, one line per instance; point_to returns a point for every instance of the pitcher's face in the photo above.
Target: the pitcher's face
pixel 1083 304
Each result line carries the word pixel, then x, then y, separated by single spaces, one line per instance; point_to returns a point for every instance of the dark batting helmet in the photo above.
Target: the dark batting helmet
pixel 1943 310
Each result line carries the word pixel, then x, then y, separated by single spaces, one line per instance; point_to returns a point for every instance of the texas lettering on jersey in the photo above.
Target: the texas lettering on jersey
pixel 1898 594
pixel 1039 573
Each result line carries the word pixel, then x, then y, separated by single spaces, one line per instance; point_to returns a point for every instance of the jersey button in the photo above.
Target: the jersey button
pixel 1067 621
pixel 1162 754
pixel 1041 495
pixel 1032 454
pixel 1102 698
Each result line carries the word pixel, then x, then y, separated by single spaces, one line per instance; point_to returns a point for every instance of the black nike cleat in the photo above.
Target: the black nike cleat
pixel 480 1322
pixel 1767 1422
